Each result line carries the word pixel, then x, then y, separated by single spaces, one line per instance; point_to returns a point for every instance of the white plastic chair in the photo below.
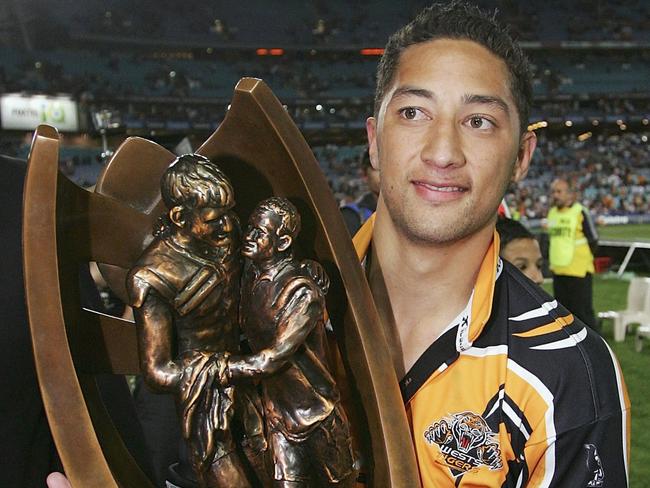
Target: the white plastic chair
pixel 637 311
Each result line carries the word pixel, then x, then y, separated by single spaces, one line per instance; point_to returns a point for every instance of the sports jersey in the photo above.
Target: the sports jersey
pixel 516 392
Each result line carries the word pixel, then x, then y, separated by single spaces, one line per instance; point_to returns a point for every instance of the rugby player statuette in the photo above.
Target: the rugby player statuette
pixel 185 291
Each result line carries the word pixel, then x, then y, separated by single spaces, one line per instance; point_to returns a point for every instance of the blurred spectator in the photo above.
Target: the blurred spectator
pixel 519 247
pixel 357 212
pixel 573 239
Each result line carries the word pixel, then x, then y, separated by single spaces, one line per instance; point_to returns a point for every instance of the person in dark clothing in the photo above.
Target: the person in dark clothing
pixel 27 452
pixel 356 213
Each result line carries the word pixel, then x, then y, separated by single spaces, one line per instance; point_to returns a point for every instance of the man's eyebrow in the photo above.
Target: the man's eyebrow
pixel 487 100
pixel 412 91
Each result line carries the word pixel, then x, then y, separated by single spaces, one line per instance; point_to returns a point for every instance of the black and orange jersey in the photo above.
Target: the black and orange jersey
pixel 516 392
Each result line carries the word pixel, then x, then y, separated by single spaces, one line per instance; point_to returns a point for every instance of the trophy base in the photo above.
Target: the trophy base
pixel 177 477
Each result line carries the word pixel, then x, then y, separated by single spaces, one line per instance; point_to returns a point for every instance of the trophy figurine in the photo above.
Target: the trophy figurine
pixel 282 314
pixel 184 291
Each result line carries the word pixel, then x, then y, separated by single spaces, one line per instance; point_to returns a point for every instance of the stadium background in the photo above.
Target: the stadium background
pixel 165 70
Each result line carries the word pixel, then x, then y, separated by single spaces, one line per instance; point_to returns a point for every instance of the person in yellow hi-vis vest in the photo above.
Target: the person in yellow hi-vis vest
pixel 573 240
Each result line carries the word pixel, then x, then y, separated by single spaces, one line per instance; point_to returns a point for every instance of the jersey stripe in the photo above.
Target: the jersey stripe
pixel 547 396
pixel 544 309
pixel 554 326
pixel 621 396
pixel 481 352
pixel 570 341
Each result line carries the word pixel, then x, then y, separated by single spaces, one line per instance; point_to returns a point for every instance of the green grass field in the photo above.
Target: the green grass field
pixel 610 293
pixel 625 232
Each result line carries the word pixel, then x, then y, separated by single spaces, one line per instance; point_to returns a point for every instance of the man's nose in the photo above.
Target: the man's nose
pixel 442 147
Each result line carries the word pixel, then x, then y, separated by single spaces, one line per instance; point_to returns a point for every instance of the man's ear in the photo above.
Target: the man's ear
pixel 524 156
pixel 373 152
pixel 284 242
pixel 176 216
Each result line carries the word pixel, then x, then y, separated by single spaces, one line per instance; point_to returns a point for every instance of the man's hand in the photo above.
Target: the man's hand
pixel 57 480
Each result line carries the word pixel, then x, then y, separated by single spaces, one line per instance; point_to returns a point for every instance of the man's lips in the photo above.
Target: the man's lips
pixel 438 191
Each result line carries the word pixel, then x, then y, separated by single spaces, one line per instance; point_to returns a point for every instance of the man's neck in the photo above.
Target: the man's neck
pixel 427 285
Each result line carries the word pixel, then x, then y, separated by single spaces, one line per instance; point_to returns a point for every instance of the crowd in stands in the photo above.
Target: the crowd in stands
pixel 335 22
pixel 610 172
pixel 190 75
pixel 181 94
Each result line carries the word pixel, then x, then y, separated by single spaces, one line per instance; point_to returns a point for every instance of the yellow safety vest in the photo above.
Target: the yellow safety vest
pixel 569 252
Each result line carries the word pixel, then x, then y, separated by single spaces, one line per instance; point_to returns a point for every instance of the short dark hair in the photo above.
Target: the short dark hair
pixel 459 20
pixel 510 230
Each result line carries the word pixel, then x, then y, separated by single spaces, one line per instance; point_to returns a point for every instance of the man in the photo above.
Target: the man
pixel 502 385
pixel 184 292
pixel 573 239
pixel 282 315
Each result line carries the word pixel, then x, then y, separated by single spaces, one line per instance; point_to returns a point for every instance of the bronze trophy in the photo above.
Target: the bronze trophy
pixel 259 153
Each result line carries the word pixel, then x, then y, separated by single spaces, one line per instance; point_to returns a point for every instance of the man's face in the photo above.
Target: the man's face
pixel 211 225
pixel 261 239
pixel 446 141
pixel 560 194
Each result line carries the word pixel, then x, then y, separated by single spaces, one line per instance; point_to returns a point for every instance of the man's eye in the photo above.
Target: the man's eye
pixel 411 113
pixel 478 122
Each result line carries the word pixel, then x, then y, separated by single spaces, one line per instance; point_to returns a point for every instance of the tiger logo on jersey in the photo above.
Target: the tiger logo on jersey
pixel 466 442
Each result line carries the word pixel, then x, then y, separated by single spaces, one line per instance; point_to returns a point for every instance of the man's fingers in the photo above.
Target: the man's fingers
pixel 57 480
